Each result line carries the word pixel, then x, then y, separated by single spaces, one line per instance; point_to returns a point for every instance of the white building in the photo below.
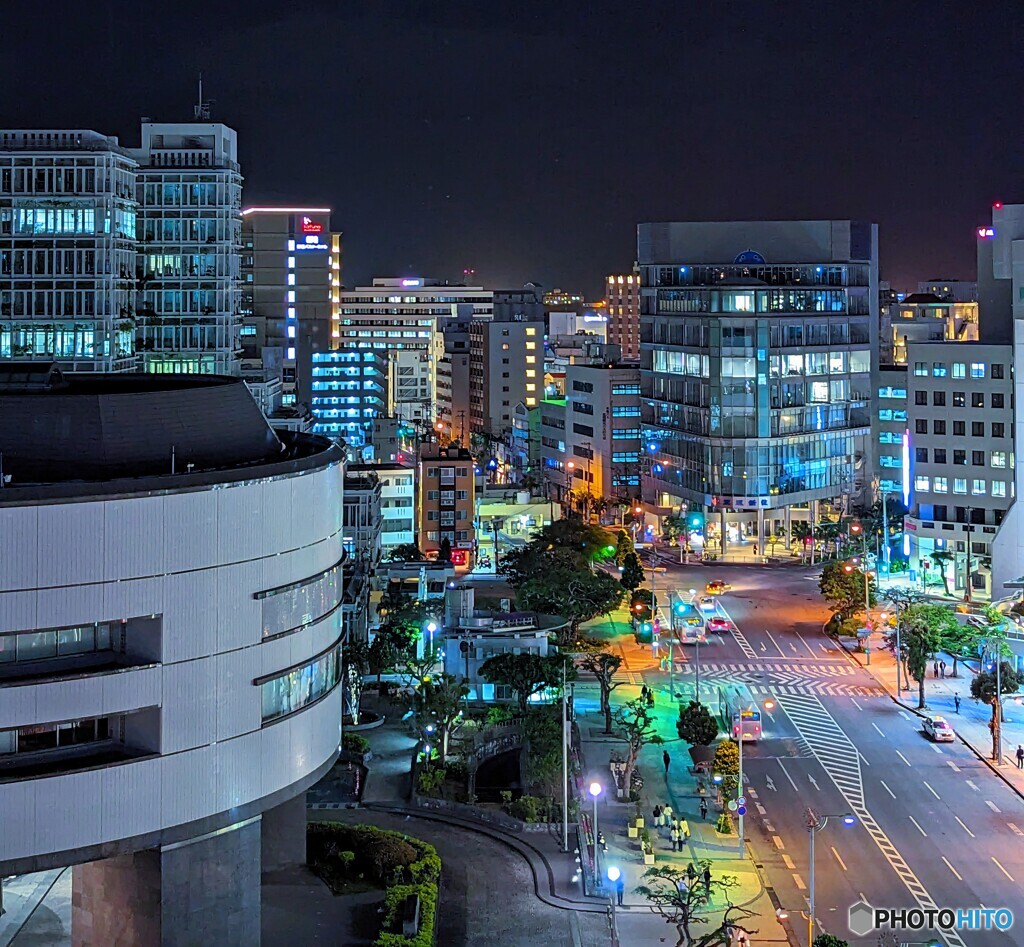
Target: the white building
pixel 397 503
pixel 170 642
pixel 400 316
pixel 189 187
pixel 67 249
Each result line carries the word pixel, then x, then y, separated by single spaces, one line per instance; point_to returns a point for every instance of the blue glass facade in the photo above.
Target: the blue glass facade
pixel 350 391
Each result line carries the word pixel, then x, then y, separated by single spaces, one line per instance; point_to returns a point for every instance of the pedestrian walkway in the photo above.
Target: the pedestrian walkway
pixel 678 788
pixel 971 722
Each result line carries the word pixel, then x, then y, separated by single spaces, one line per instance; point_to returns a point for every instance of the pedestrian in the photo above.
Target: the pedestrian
pixel 684 830
pixel 707 879
pixel 666 814
pixel 935 668
pixel 650 696
pixel 942 669
pixel 703 809
pixel 1020 756
pixel 620 889
pixel 657 816
pixel 956 702
pixel 643 693
pixel 691 873
pixel 674 838
pixel 666 759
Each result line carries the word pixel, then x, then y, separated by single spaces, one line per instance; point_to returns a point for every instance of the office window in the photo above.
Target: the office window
pixel 978 487
pixel 921 455
pixel 959 370
pixel 940 485
pixel 531 331
pixel 977 428
pixel 959 428
pixel 922 483
pixel 998 458
pixel 998 486
pixel 997 371
pixel 960 458
pixel 977 369
pixel 938 369
pixel 959 485
pixel 938 427
pixel 977 399
pixel 998 429
pixel 921 397
pixel 920 368
pixel 978 458
pixel 939 399
pixel 301 686
pixel 920 426
pixel 939 455
pixel 504 346
pixel 959 399
pixel 997 398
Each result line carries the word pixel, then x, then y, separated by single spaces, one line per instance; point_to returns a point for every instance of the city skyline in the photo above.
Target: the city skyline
pixel 541 137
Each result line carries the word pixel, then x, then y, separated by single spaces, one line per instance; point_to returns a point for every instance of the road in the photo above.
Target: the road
pixel 934 826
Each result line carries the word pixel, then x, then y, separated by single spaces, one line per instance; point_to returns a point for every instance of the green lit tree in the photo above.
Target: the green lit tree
pixel 632 572
pixel 527 673
pixel 623 547
pixel 438 702
pixel 603 666
pixel 696 725
pixel 636 721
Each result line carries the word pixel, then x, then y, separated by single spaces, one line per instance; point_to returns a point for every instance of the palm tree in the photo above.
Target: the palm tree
pixel 940 557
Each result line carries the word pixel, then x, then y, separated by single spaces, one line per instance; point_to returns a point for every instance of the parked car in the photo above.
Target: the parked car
pixel 719 625
pixel 938 729
pixel 717 587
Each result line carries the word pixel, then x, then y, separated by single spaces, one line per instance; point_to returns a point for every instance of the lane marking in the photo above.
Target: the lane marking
pixel 964 827
pixel 887 789
pixel 971 784
pixel 774 642
pixel 799 882
pixel 929 788
pixel 790 778
pixel 814 782
pixel 935 747
pixel 761 809
pixel 953 766
pixel 853 700
pixel 875 725
pixel 810 650
pixel 770 783
pixel 842 864
pixel 902 757
pixel 788 862
pixel 992 805
pixel 919 829
pixel 778 843
pixel 959 877
pixel 1001 868
pixel 1015 830
pixel 905 715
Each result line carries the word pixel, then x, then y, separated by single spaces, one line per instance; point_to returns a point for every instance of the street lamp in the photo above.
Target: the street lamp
pixel 595 791
pixel 816 823
pixel 431 628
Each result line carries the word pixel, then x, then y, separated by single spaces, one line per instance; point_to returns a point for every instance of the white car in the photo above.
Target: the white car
pixel 938 729
pixel 707 604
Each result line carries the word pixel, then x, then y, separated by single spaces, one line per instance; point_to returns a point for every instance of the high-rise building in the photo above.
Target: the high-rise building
pixel 622 296
pixel 756 355
pixel 506 360
pixel 445 503
pixel 924 317
pixel 291 280
pixel 67 250
pixel 453 373
pixel 400 316
pixel 350 393
pixel 189 188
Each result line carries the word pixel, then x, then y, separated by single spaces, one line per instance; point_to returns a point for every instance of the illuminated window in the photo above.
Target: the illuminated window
pixel 978 487
pixel 530 402
pixel 291 279
pixel 531 331
pixel 531 387
pixel 922 483
pixel 291 295
pixel 291 332
pixel 291 261
pixel 531 346
pixel 959 485
pixel 531 359
pixel 291 355
pixel 291 313
pixel 998 458
pixel 291 246
pixel 998 488
pixel 941 485
pixel 977 369
pixel 531 373
pixel 504 346
pixel 959 370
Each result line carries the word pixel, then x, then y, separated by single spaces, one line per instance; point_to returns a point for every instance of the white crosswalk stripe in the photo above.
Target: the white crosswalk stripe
pixel 776 683
pixel 839 758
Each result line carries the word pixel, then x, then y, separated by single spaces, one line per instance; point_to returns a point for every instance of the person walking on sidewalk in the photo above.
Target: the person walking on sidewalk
pixel 703 809
pixel 674 838
pixel 691 874
pixel 667 760
pixel 620 890
pixel 942 669
pixel 1020 756
pixel 684 831
pixel 956 702
pixel 935 668
pixel 657 817
pixel 707 880
pixel 666 815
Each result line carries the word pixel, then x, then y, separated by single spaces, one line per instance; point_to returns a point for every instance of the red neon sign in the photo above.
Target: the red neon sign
pixel 311 226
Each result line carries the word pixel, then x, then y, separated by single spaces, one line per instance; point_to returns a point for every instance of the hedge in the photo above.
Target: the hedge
pixel 393 901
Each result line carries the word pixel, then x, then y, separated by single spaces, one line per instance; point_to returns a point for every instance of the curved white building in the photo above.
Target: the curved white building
pixel 170 635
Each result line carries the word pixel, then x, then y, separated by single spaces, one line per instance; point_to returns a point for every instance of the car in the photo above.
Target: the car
pixel 717 587
pixel 706 603
pixel 719 625
pixel 938 729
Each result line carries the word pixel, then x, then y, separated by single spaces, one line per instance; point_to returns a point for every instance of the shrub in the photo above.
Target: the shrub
pixel 430 781
pixel 724 824
pixel 354 743
pixel 341 853
pixel 496 715
pixel 393 901
pixel 457 772
pixel 527 809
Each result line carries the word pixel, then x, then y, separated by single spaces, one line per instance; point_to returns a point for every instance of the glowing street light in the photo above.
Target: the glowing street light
pixel 595 789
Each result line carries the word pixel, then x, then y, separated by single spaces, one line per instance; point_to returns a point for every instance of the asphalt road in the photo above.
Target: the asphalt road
pixel 934 826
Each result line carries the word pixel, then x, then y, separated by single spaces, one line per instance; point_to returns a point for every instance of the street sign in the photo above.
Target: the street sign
pixel 742 800
pixel 741 810
pixel 732 805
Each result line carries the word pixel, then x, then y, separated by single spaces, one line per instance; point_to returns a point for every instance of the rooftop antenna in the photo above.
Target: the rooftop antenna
pixel 201 112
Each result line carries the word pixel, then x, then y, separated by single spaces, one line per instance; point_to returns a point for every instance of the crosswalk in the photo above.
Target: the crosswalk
pixel 778 669
pixel 771 679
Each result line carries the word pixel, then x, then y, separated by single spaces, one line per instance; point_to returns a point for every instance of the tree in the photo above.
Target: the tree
pixel 681 903
pixel 438 702
pixel 636 720
pixel 389 649
pixel 983 688
pixel 921 641
pixel 643 598
pixel 830 940
pixel 406 552
pixel 727 765
pixel 623 548
pixel 444 552
pixel 575 594
pixel 355 664
pixel 842 586
pixel 673 526
pixel 941 557
pixel 632 572
pixel 526 673
pixel 603 666
pixel 696 725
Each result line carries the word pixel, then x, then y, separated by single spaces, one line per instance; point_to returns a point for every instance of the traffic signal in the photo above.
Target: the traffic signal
pixel 856 529
pixel 681 608
pixel 647 627
pixel 695 520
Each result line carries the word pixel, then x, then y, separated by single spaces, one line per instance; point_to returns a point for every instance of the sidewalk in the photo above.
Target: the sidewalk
pixel 971 724
pixel 678 789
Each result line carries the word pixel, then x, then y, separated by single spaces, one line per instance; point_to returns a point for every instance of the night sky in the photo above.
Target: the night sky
pixel 527 139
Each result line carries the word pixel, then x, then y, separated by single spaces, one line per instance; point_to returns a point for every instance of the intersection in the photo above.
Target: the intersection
pixel 934 825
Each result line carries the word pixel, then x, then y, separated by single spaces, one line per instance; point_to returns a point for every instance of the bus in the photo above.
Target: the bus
pixel 691 634
pixel 739 712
